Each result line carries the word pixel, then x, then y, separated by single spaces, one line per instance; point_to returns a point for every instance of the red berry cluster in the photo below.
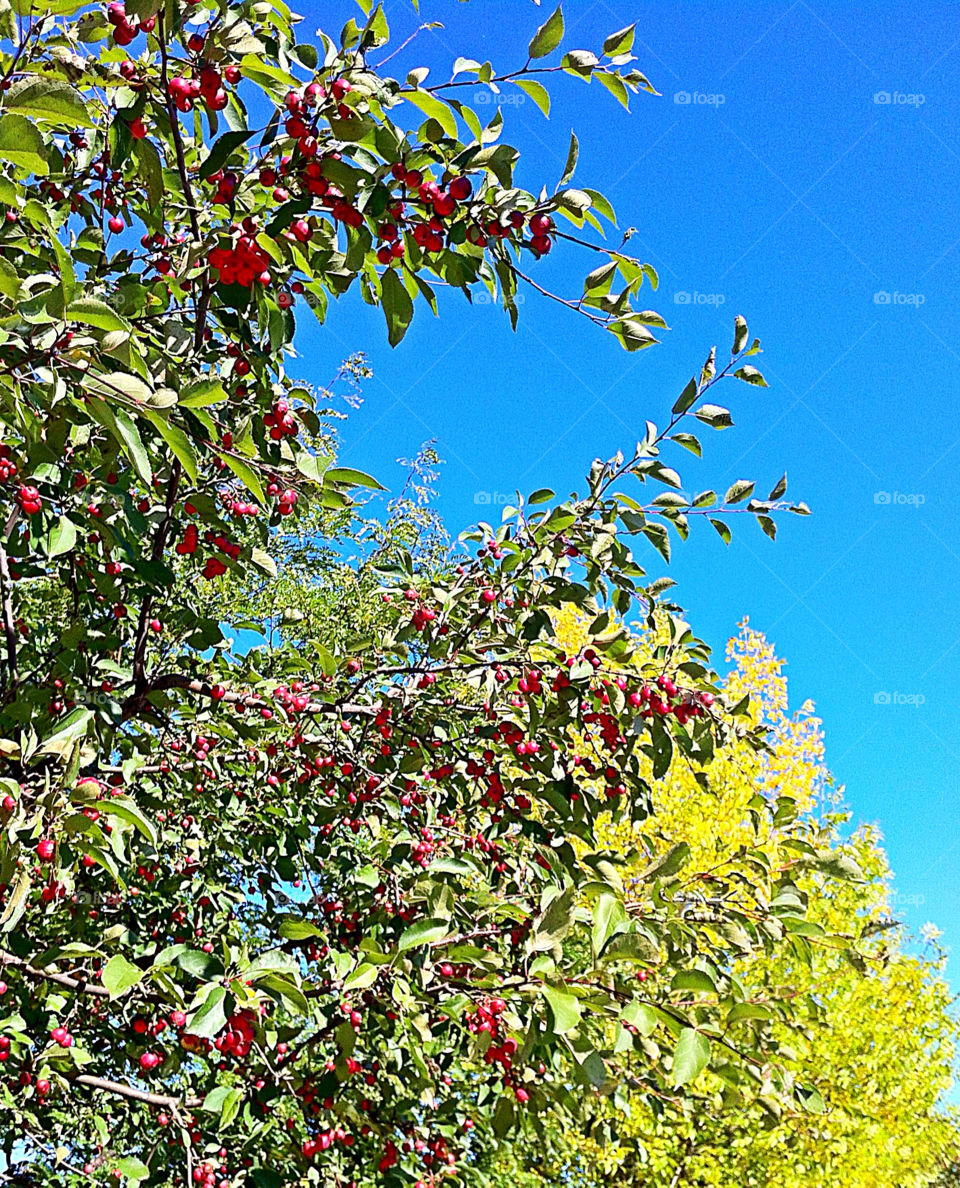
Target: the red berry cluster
pixel 241 263
pixel 8 468
pixel 123 31
pixel 280 421
pixel 29 500
pixel 683 706
pixel 207 84
pixel 286 497
pixel 238 1036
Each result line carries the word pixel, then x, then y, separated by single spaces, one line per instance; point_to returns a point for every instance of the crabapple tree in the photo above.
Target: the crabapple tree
pixel 334 908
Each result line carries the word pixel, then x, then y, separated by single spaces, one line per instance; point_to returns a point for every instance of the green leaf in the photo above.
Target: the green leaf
pixel 693 979
pixel 213 1102
pixel 22 144
pixel 738 491
pixel 668 864
pixel 810 1099
pixel 750 375
pixel 641 1016
pixel 313 466
pixel 564 1007
pixel 231 1106
pixel 177 440
pixel 690 1057
pixel 352 478
pixel 132 1169
pixel 246 474
pixel 219 153
pixel 127 810
pixel 632 333
pixel 362 978
pixel 537 92
pixel 548 36
pixel 91 311
pixel 573 154
pixel 714 416
pixel 62 537
pixel 620 42
pixel 16 903
pixel 150 170
pixel 202 393
pixel 554 923
pixel 423 932
pixel 723 530
pixel 298 929
pixel 61 739
pixel 119 975
pixel 740 334
pixel 435 109
pixel 49 100
pixel 133 446
pixel 9 280
pixel 263 561
pixel 614 85
pixel 210 1017
pixel 397 306
pixel 291 994
pixel 686 399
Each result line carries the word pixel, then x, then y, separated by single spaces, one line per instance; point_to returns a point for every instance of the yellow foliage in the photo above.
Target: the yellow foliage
pixel 878 1042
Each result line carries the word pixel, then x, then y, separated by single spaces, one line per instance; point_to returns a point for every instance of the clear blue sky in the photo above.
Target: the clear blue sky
pixel 794 198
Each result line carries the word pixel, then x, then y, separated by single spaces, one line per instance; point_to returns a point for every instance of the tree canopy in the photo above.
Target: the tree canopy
pixel 351 902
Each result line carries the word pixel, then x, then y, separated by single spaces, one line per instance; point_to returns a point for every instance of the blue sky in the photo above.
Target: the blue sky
pixel 810 185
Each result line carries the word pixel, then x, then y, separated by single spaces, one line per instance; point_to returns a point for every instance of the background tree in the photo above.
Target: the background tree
pixel 873 1023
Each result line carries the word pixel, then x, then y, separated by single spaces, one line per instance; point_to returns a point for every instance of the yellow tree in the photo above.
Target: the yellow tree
pixel 872 1026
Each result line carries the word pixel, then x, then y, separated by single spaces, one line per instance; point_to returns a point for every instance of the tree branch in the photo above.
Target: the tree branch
pixel 131 1091
pixel 9 627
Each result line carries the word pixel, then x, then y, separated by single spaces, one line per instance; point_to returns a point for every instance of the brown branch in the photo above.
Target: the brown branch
pixel 68 981
pixel 42 975
pixel 176 680
pixel 159 543
pixel 131 1091
pixel 9 627
pixel 175 129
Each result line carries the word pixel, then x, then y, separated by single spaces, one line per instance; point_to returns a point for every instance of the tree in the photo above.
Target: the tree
pixel 336 907
pixel 873 1024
